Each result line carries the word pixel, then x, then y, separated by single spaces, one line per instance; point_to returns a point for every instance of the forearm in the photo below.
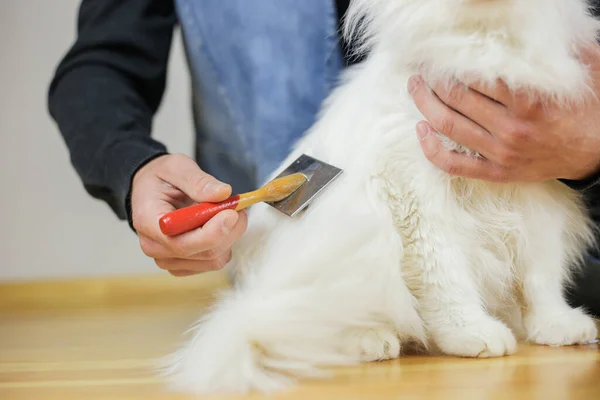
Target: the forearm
pixel 107 132
pixel 106 90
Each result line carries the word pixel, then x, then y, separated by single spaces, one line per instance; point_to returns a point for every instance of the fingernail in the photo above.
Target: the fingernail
pixel 422 130
pixel 413 83
pixel 213 187
pixel 228 224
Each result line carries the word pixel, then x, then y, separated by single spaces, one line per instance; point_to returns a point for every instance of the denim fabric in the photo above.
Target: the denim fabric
pixel 260 71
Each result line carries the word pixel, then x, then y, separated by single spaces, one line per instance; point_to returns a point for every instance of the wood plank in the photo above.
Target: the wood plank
pixel 94 292
pixel 99 339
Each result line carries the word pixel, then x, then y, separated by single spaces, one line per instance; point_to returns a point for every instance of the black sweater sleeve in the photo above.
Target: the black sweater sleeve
pixel 108 87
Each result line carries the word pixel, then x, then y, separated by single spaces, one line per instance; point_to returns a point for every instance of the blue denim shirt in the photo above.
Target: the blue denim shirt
pixel 260 71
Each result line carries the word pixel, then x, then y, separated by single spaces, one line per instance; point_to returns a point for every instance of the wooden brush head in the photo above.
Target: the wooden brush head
pixel 281 188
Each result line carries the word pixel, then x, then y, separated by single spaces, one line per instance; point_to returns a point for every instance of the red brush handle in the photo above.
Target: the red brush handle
pixel 193 217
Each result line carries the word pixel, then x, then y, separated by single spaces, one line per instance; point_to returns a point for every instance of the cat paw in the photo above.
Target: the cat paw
pixel 376 344
pixel 569 327
pixel 481 339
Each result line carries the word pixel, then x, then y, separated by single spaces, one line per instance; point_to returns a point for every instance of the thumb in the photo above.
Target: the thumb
pixel 183 173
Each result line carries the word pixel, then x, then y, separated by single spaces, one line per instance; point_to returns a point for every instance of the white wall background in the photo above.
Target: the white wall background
pixel 50 227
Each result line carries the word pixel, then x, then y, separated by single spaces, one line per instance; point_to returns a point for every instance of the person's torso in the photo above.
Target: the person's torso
pixel 260 72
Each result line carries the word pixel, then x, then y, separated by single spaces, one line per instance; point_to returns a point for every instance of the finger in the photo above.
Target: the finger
pixel 476 107
pixel 236 233
pixel 183 173
pixel 152 199
pixel 152 248
pixel 147 206
pixel 179 200
pixel 157 250
pixel 456 163
pixel 452 124
pixel 212 235
pixel 498 91
pixel 517 102
pixel 589 54
pixel 174 265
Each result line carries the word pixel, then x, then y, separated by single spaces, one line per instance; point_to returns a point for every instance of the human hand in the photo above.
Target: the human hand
pixel 517 140
pixel 175 181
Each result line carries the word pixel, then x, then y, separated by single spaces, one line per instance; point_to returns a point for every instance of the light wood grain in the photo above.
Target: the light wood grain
pixel 99 339
pixel 105 292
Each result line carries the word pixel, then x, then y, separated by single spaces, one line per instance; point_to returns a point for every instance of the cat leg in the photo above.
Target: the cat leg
pixel 449 300
pixel 548 319
pixel 393 317
pixel 373 344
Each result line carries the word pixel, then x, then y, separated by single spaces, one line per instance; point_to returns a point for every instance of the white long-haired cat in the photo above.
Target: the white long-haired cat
pixel 397 250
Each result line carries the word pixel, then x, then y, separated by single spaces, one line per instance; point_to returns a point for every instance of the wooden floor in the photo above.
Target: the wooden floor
pixel 98 340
